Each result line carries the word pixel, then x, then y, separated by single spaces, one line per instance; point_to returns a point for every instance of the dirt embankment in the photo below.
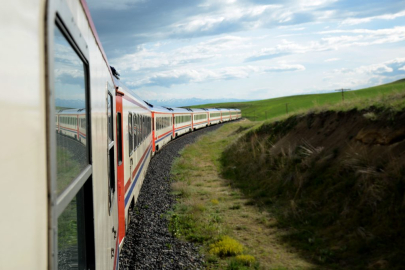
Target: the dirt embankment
pixel 336 178
pixel 379 133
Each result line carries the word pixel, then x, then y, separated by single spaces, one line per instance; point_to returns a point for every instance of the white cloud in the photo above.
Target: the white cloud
pixel 315 3
pixel 365 76
pixel 231 15
pixel 284 68
pixel 364 37
pixel 332 59
pixel 186 76
pixel 153 59
pixel 374 69
pixel 354 21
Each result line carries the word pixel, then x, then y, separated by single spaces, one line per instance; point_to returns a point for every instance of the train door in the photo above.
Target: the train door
pixel 111 181
pixel 70 170
pixel 120 167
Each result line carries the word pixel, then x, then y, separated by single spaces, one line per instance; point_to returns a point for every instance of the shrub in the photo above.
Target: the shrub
pixel 245 259
pixel 215 201
pixel 227 246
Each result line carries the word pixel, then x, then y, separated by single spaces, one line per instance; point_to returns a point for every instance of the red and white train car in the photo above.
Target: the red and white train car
pixel 72 123
pixel 214 116
pixel 225 115
pixel 134 152
pixel 67 212
pixel 83 139
pixel 182 121
pixel 200 118
pixel 163 126
pixel 235 114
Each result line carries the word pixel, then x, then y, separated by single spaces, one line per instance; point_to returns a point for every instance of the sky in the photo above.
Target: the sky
pixel 251 49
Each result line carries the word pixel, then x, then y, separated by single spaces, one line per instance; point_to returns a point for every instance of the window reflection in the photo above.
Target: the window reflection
pixel 71 117
pixel 71 235
pixel 110 120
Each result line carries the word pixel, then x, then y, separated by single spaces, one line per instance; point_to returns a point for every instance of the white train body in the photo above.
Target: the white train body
pixel 137 152
pixel 200 118
pixel 235 114
pixel 225 115
pixel 76 143
pixel 182 121
pixel 163 125
pixel 214 116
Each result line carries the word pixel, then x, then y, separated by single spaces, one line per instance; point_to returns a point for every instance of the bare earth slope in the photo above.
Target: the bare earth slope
pixel 337 179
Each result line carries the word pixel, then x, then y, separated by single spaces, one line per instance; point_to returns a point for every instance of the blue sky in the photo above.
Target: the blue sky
pixel 251 49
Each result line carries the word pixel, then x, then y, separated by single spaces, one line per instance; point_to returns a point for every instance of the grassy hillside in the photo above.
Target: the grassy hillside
pixel 271 108
pixel 210 211
pixel 335 180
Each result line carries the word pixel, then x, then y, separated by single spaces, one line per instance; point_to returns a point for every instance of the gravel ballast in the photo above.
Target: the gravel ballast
pixel 148 243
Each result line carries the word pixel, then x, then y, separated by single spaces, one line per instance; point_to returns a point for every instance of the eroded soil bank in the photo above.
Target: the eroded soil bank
pixel 335 179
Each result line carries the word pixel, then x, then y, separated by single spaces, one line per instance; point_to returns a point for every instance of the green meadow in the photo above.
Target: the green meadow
pixel 272 108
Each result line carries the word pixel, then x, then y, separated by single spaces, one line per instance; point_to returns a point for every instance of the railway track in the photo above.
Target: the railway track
pixel 148 243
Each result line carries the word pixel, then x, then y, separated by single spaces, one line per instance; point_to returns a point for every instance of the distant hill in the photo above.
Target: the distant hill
pixel 269 108
pixel 191 101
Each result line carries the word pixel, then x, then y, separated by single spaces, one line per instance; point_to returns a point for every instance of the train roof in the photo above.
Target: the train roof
pixel 130 92
pixel 213 110
pixel 197 110
pixel 157 108
pixel 182 110
pixel 164 109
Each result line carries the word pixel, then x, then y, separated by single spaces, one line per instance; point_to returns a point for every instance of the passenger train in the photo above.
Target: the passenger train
pixel 76 142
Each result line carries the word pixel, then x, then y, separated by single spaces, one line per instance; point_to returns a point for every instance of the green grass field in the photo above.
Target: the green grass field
pixel 271 108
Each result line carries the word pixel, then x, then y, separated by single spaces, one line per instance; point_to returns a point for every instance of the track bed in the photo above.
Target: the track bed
pixel 148 243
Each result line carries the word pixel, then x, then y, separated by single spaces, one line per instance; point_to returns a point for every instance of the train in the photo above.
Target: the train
pixel 76 142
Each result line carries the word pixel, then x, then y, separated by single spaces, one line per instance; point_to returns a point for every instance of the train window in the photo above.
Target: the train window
pixel 69 237
pixel 71 160
pixel 134 130
pixel 109 117
pixel 143 127
pixel 119 139
pixel 111 150
pixel 130 139
pixel 137 130
pixel 138 126
pixel 138 133
pixel 70 84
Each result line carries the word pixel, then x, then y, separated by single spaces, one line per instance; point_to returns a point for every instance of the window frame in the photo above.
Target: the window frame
pixel 111 149
pixel 65 197
pixel 59 16
pixel 130 134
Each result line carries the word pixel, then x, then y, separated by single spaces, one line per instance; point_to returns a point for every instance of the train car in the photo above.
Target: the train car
pixel 72 123
pixel 238 114
pixel 78 143
pixel 182 121
pixel 162 126
pixel 234 114
pixel 200 118
pixel 214 116
pixel 134 151
pixel 66 213
pixel 225 115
